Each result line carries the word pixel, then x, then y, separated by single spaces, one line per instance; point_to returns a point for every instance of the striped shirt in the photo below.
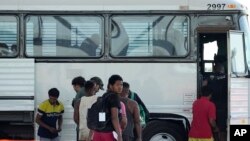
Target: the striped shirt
pixel 49 115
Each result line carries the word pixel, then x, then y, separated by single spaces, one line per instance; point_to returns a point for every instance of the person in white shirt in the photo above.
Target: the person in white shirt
pixel 81 108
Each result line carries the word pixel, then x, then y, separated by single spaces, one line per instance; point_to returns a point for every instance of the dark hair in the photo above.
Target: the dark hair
pixel 54 92
pixel 79 81
pixel 98 81
pixel 219 59
pixel 219 68
pixel 114 78
pixel 89 85
pixel 125 85
pixel 206 91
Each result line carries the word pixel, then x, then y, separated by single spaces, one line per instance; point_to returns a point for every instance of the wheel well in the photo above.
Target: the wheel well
pixel 178 120
pixel 160 129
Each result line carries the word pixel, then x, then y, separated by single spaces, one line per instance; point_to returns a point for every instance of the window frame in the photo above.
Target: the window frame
pixel 151 57
pixel 17 53
pixel 102 27
pixel 247 46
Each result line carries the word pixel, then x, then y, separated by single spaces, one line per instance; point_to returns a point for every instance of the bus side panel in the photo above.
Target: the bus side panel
pixel 248 100
pixel 239 103
pixel 16 82
pixel 163 87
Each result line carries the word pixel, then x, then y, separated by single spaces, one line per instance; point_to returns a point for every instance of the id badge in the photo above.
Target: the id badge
pixel 102 116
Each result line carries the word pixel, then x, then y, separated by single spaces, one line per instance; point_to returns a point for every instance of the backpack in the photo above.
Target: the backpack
pixel 141 110
pixel 97 114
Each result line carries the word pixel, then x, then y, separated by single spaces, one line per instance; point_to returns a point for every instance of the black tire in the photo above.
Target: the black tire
pixel 160 130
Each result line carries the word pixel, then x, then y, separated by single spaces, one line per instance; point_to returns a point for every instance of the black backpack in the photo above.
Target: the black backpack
pixel 94 121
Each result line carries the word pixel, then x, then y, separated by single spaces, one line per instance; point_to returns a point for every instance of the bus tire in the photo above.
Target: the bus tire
pixel 160 130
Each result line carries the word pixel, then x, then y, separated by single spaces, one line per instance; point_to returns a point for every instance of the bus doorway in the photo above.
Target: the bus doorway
pixel 213 72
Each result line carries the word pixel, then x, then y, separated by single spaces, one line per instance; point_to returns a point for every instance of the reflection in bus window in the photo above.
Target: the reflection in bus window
pixel 145 36
pixel 244 25
pixel 64 36
pixel 8 36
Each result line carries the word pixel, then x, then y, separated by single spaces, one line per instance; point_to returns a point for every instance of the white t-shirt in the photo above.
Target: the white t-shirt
pixel 85 103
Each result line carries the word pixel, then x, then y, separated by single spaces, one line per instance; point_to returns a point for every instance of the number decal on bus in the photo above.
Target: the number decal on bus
pixel 214 6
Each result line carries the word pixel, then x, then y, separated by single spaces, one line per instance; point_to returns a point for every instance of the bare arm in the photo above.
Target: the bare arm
pixel 76 112
pixel 123 122
pixel 42 124
pixel 204 82
pixel 90 135
pixel 115 122
pixel 212 117
pixel 136 115
pixel 213 125
pixel 60 121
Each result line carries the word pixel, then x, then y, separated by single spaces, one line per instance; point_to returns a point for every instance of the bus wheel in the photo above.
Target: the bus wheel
pixel 162 131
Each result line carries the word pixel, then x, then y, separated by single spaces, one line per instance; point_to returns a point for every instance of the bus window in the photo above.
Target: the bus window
pixel 8 36
pixel 237 53
pixel 215 20
pixel 209 52
pixel 213 47
pixel 64 36
pixel 244 26
pixel 149 36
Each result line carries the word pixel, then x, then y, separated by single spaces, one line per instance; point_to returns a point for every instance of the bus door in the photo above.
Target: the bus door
pixel 227 49
pixel 238 82
pixel 213 71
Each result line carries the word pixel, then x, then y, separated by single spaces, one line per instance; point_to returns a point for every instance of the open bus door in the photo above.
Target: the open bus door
pixel 238 83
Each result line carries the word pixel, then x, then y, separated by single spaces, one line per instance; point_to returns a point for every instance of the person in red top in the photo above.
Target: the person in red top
pixel 204 116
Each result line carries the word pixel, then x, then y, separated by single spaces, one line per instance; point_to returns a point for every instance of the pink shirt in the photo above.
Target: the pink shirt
pixel 123 109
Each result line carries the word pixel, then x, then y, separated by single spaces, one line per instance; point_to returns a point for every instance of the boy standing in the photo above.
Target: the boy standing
pixel 49 117
pixel 204 116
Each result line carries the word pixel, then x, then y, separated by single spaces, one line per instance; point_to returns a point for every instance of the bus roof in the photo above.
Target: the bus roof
pixel 120 5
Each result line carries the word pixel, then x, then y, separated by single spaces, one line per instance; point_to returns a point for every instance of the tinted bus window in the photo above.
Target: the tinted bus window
pixel 8 36
pixel 64 36
pixel 149 36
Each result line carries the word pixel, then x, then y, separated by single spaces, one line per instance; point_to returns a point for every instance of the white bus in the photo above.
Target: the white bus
pixel 163 48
